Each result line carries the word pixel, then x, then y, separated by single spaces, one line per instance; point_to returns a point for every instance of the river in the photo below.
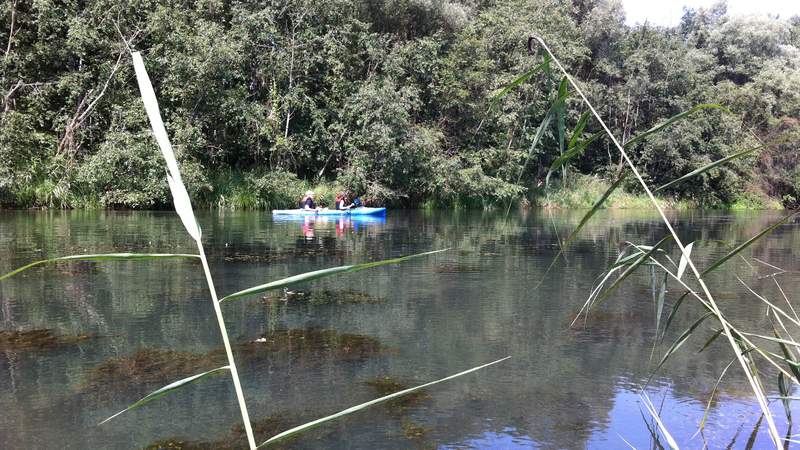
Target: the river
pixel 119 330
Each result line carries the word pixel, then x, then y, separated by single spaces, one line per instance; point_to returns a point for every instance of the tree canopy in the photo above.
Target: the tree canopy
pixel 391 99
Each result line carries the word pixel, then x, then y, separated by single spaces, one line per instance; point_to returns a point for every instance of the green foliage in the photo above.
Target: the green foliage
pixel 394 101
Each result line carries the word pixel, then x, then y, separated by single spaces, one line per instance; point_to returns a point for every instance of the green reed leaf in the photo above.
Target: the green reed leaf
pixel 711 340
pixel 352 409
pixel 662 293
pixel 519 80
pixel 709 166
pixel 702 425
pixel 596 207
pixel 674 311
pixel 574 151
pixel 636 139
pixel 167 389
pixel 682 339
pixel 309 276
pixel 101 257
pixel 746 244
pixel 583 120
pixel 785 389
pixel 631 268
pixel 788 354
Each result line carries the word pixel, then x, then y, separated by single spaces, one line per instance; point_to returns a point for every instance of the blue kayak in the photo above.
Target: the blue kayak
pixel 360 211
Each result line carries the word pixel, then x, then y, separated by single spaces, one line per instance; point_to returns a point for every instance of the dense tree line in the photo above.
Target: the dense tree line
pixel 389 98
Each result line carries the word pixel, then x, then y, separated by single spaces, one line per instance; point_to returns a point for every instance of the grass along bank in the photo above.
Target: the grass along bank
pixel 584 191
pixel 239 190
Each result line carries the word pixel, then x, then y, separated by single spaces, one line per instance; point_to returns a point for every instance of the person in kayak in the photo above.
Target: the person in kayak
pixel 308 201
pixel 341 201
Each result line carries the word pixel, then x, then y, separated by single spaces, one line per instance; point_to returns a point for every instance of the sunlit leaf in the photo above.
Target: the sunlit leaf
pixel 167 389
pixel 102 257
pixel 650 408
pixel 519 80
pixel 709 166
pixel 153 113
pixel 636 139
pixel 183 206
pixel 684 260
pixel 309 276
pixel 352 409
pixel 746 244
pixel 180 197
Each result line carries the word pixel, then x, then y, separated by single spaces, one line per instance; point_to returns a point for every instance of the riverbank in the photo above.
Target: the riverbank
pixel 278 189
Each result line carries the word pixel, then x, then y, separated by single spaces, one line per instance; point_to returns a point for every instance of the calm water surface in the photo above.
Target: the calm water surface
pixel 332 343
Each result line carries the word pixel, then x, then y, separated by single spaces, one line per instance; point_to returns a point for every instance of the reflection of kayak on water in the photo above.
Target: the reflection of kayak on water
pixel 360 211
pixel 339 219
pixel 341 222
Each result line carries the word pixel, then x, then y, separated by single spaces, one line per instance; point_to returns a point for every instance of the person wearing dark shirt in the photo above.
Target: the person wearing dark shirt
pixel 308 201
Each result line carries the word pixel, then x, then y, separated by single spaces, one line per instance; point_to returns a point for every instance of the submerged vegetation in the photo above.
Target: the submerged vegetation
pixel 392 100
pixel 386 385
pixel 322 297
pixel 234 440
pixel 283 348
pixel 40 339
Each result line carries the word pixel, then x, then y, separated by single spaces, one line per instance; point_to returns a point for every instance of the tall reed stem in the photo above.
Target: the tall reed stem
pixel 224 332
pixel 751 378
pixel 183 206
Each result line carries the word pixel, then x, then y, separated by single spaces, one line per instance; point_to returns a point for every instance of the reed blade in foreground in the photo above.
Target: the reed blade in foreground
pixel 180 196
pixel 709 166
pixel 307 426
pixel 167 389
pixel 309 276
pixel 101 257
pixel 747 243
pixel 642 259
pixel 183 206
pixel 518 81
pixel 672 120
pixel 652 410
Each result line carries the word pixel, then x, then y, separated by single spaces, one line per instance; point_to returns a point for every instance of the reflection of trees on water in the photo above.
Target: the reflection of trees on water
pixel 440 315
